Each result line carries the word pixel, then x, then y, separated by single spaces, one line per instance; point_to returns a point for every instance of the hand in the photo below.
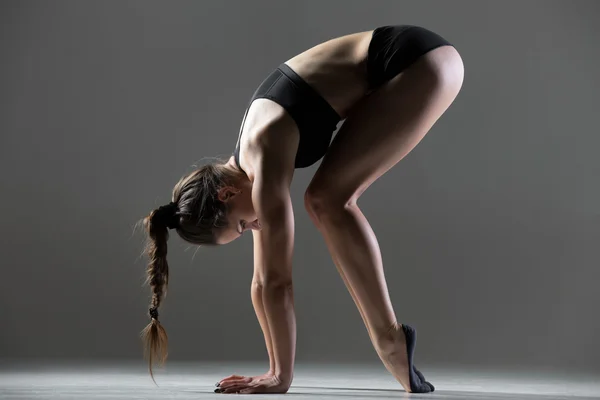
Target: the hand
pixel 234 380
pixel 266 383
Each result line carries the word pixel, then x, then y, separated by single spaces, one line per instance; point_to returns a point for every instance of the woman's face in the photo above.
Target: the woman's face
pixel 241 215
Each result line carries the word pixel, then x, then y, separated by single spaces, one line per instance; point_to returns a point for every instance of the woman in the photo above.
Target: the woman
pixel 390 85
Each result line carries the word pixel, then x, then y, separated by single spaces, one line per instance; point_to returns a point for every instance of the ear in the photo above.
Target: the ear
pixel 227 193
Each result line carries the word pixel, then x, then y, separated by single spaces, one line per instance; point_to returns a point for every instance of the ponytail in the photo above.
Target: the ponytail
pixel 154 336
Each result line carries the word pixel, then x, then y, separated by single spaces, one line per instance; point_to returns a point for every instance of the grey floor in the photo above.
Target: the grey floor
pixel 196 381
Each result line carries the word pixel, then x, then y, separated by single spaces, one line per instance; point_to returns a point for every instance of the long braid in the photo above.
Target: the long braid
pixel 154 335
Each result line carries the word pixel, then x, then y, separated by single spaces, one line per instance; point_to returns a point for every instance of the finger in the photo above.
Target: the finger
pixel 235 382
pixel 234 389
pixel 229 379
pixel 232 377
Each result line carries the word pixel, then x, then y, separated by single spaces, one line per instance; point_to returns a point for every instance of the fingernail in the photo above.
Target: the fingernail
pixel 218 390
pixel 217 384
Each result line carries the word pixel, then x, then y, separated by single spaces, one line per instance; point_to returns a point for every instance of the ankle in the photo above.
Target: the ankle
pixel 387 341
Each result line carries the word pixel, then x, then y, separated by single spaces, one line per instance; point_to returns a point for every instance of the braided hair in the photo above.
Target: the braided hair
pixel 154 334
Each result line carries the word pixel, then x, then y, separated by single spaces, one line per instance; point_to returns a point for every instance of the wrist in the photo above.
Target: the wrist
pixel 284 378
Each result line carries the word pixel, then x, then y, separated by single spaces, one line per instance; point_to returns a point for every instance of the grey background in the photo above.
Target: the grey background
pixel 489 229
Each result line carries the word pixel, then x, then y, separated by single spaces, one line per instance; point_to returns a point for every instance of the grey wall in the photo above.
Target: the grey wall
pixel 489 229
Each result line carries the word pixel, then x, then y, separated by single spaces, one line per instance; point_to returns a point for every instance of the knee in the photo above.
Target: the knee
pixel 314 200
pixel 321 201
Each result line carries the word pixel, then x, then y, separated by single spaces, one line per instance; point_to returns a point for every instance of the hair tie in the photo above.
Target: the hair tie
pixel 169 216
pixel 153 313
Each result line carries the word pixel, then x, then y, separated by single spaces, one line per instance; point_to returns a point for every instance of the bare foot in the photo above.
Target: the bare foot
pixel 397 356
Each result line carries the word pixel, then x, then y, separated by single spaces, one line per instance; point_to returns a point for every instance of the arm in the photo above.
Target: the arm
pixel 273 206
pixel 277 291
pixel 256 293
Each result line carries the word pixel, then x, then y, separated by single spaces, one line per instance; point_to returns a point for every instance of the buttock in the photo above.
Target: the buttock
pixel 393 48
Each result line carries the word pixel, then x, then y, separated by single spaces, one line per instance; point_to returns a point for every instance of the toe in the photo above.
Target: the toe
pixel 423 385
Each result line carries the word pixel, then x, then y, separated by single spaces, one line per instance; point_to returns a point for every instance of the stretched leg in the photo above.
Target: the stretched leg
pixel 381 131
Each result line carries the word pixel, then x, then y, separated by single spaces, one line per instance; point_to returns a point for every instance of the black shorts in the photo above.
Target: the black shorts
pixel 395 48
pixel 392 49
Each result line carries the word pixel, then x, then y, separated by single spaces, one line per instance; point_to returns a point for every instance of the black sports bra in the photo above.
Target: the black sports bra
pixel 314 116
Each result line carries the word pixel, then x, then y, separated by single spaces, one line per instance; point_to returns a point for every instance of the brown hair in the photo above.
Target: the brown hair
pixel 194 212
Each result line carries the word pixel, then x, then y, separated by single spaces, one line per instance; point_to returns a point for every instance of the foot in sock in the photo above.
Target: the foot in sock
pixel 396 352
pixel 420 375
pixel 418 384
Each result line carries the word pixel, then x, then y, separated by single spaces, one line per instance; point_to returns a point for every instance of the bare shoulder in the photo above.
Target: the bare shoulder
pixel 270 141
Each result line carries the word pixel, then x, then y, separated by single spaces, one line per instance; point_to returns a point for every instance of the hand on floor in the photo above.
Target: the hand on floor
pixel 266 383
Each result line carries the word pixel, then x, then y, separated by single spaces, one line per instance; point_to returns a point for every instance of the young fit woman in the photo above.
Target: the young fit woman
pixel 390 85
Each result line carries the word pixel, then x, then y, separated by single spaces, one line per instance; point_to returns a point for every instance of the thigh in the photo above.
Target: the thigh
pixel 387 124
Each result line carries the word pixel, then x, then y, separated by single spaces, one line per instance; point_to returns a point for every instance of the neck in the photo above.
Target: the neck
pixel 243 175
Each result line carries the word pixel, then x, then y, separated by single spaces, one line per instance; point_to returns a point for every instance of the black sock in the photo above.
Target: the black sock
pixel 418 384
pixel 420 375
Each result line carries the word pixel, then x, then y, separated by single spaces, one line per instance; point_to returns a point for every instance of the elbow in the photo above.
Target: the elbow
pixel 277 284
pixel 277 293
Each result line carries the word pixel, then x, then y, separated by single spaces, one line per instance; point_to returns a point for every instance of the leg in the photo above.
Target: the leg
pixel 381 131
